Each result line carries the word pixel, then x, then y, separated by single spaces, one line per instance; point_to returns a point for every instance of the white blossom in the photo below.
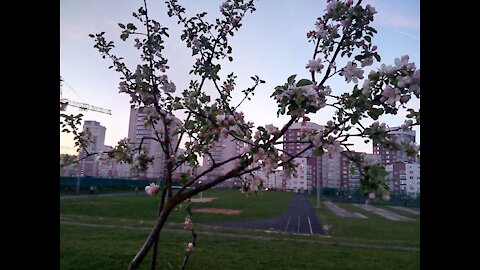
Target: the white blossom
pixel 351 72
pixel 314 65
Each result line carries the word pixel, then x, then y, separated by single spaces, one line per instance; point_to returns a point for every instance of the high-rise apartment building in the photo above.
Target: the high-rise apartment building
pixel 331 170
pixel 138 131
pixel 404 177
pixel 293 145
pixel 105 166
pixel 391 156
pixel 299 183
pixel 97 137
pixel 349 174
pixel 222 150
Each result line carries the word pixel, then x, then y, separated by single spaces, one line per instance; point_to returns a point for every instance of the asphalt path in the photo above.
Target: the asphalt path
pixel 342 212
pixel 300 218
pixel 384 213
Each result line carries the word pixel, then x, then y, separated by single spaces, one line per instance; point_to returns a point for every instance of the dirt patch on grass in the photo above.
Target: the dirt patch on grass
pixel 218 211
pixel 206 199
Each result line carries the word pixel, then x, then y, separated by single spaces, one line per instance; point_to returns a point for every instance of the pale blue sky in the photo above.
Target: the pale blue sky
pixel 271 44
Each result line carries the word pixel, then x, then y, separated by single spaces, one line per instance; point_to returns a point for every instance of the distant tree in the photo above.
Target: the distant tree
pixel 343 32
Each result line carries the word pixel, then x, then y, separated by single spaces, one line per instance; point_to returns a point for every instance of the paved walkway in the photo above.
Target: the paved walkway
pixel 342 212
pixel 300 217
pixel 96 195
pixel 384 213
pixel 406 209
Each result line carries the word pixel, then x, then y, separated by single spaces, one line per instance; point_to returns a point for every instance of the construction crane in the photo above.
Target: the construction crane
pixel 82 106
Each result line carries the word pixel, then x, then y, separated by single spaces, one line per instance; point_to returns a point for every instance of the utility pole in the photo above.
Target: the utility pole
pixel 80 172
pixel 318 193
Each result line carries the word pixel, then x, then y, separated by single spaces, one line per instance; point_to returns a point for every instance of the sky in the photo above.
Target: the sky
pixel 272 44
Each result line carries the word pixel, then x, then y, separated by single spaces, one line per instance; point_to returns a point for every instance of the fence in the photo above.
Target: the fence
pixel 84 183
pixel 355 196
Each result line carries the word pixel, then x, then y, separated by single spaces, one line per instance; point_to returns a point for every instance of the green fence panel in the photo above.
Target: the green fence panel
pixel 87 182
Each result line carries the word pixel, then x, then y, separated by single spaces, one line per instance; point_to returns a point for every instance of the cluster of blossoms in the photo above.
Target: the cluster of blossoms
pixel 390 95
pixel 351 72
pixel 151 116
pixel 407 125
pixel 378 128
pixel 141 160
pixel 123 87
pixel 323 31
pixel 299 100
pixel 224 122
pixel 253 182
pixel 187 225
pixel 332 146
pixel 196 44
pixel 314 65
pixel 122 151
pixel 289 171
pixel 227 87
pixel 168 86
pixel 189 247
pixel 372 196
pixel 317 139
pixel 411 148
pixel 152 189
pixel 224 6
pixel 400 81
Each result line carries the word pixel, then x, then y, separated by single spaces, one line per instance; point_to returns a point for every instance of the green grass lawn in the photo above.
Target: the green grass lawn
pixel 143 207
pixel 100 248
pixel 112 248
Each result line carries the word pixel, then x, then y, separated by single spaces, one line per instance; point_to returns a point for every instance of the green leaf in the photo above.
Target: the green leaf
pixel 368 38
pixel 375 113
pixel 319 152
pixel 377 57
pixel 359 57
pixel 355 119
pixel 303 82
pixel 121 25
pixel 291 79
pixel 205 99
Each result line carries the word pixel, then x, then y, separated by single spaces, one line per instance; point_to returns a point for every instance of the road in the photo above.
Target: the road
pixel 300 218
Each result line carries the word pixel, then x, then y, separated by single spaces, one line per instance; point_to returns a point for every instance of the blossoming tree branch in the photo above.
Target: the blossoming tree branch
pixel 343 32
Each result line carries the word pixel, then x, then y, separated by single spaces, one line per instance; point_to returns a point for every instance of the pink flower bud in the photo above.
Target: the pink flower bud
pixel 371 195
pixel 187 225
pixel 152 189
pixel 189 247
